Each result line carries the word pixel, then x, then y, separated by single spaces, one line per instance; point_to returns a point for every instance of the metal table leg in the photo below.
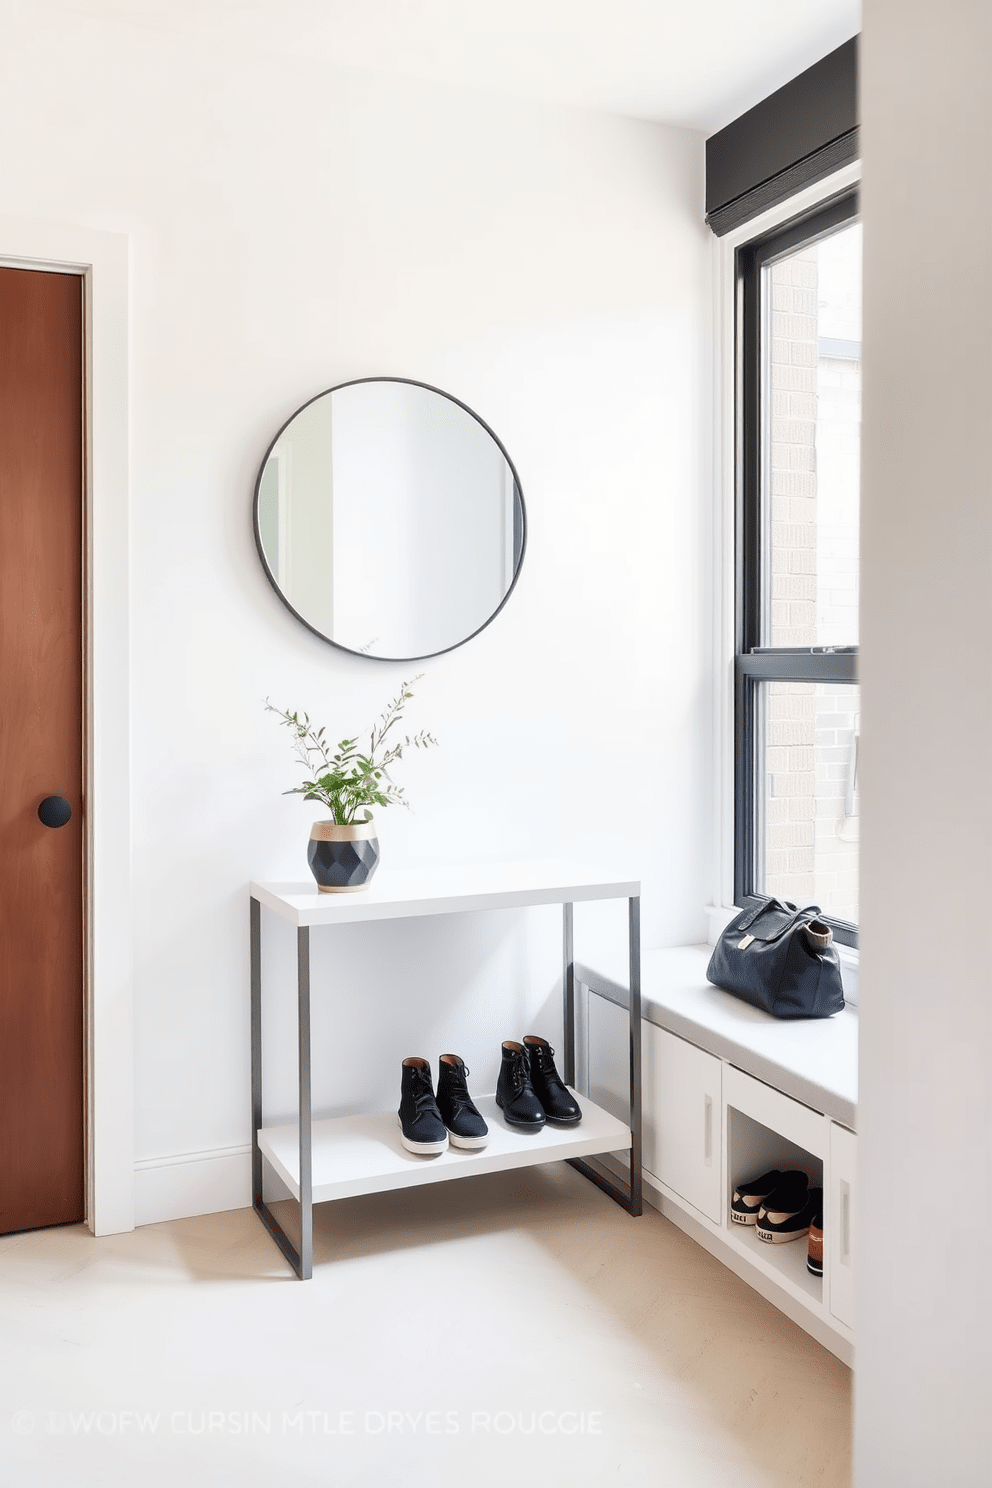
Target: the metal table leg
pixel 301 1260
pixel 568 990
pixel 306 1111
pixel 255 958
pixel 627 1195
pixel 634 951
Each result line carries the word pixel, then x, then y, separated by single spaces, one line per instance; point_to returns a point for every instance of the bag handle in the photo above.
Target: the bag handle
pixel 752 914
pixel 766 902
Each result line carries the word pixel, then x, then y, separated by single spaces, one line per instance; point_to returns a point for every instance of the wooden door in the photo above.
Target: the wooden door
pixel 41 878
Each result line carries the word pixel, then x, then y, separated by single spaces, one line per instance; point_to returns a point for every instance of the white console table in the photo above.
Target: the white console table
pixel 362 1154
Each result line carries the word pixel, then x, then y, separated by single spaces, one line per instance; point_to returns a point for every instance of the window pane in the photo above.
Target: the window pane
pixel 811 443
pixel 806 832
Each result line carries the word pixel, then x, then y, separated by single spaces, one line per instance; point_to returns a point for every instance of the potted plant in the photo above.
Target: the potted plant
pixel 344 849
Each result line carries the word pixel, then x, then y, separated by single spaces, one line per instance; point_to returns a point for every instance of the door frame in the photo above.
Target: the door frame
pixel 101 259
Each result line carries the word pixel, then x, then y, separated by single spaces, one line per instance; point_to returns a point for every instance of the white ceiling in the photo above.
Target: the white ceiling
pixel 696 63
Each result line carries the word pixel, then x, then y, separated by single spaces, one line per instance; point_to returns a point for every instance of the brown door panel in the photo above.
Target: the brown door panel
pixel 41 943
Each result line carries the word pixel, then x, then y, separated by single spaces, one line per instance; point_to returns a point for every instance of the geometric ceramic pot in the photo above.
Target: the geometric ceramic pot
pixel 343 859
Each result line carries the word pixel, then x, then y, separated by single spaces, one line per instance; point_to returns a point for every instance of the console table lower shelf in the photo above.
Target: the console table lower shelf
pixel 362 1154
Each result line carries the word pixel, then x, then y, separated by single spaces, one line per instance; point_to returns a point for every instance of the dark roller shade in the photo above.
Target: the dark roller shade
pixel 796 136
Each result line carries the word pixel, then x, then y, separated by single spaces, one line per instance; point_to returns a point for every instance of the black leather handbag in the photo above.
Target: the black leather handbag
pixel 780 959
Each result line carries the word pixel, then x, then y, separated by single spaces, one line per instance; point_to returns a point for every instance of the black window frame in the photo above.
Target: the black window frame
pixel 754 663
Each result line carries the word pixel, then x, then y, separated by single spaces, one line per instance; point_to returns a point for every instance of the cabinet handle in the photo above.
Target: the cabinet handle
pixel 708 1130
pixel 845 1223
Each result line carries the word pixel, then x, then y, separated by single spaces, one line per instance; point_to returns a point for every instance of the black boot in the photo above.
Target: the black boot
pixel 514 1092
pixel 421 1128
pixel 466 1127
pixel 560 1107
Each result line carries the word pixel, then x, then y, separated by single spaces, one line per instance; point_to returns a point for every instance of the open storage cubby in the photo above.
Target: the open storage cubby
pixel 766 1129
pixel 752 1149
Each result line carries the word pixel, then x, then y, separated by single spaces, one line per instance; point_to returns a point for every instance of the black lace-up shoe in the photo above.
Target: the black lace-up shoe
pixel 514 1091
pixel 466 1127
pixel 421 1128
pixel 560 1107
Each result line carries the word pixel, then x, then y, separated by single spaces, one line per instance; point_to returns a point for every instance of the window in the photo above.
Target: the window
pixel 798 318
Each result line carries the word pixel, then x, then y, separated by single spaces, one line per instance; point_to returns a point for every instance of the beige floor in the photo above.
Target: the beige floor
pixel 517 1329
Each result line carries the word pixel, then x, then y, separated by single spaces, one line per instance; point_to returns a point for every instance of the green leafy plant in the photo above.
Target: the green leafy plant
pixel 348 780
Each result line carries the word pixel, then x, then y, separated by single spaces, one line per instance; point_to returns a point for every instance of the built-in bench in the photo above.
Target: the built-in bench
pixel 813 1060
pixel 728 1092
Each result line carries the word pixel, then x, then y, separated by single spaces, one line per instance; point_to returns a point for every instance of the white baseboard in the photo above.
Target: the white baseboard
pixel 190 1183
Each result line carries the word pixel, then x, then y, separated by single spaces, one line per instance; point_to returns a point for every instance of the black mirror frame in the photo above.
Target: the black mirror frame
pixel 410 382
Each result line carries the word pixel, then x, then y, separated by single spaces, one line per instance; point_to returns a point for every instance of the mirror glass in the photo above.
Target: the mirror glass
pixel 389 519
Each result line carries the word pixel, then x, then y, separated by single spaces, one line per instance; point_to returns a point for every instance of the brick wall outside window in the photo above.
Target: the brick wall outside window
pixel 808 848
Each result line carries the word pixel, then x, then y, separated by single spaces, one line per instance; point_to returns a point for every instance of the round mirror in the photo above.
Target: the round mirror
pixel 389 519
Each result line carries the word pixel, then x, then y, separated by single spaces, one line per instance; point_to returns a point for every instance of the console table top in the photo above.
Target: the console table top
pixel 401 893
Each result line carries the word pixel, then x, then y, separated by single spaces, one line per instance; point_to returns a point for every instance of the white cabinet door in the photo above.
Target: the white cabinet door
pixel 681 1101
pixel 680 1105
pixel 838 1222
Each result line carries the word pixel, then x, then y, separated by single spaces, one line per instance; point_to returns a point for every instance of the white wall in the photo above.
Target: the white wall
pixel 924 1379
pixel 292 226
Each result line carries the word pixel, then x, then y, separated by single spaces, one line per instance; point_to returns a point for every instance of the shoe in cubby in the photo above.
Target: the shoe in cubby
pixel 814 1248
pixel 784 1216
pixel 749 1196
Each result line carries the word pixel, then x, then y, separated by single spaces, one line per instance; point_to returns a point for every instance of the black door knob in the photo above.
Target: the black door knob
pixel 54 811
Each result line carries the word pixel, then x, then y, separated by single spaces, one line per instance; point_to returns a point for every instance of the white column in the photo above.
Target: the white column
pixel 924 1298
